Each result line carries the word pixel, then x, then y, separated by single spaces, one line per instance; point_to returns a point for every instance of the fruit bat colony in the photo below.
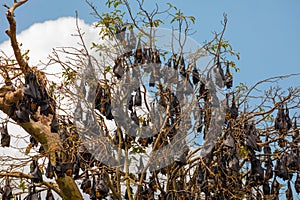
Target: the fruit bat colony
pixel 219 175
pixel 226 174
pixel 215 176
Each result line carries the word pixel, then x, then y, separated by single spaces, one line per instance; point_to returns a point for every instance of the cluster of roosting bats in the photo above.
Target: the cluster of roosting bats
pixel 216 175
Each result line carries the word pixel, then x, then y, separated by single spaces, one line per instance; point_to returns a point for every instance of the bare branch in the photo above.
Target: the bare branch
pixel 11 32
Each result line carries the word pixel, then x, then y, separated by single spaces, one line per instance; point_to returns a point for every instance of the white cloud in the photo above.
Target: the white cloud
pixel 41 38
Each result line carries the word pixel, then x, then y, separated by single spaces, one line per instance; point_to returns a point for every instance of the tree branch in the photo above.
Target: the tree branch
pixel 50 185
pixel 11 32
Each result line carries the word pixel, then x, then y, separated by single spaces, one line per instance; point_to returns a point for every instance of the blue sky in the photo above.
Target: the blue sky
pixel 264 32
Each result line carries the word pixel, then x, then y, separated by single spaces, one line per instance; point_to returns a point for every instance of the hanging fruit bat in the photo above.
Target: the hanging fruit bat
pixel 182 66
pixel 132 39
pixel 128 140
pixel 76 167
pixel 234 109
pixel 138 97
pixel 171 131
pixel 130 103
pixel 93 189
pixel 175 62
pixel 288 120
pixel 102 186
pixel 281 142
pixel 233 164
pixel 120 34
pixel 295 132
pixel 149 140
pixel 169 62
pixel 180 159
pixel 59 169
pixel 86 184
pixel 201 118
pixel 227 110
pixel 118 68
pixel 33 142
pixel 138 55
pixel 126 193
pixel 292 161
pixel 297 184
pixel 153 184
pixel 257 171
pixel 22 112
pixel 269 171
pixel 207 117
pixel 280 169
pixel 49 171
pixel 219 74
pixel 151 80
pixel 275 188
pixel 35 172
pixel 174 106
pixel 6 191
pixel 41 150
pixel 289 192
pixel 251 138
pixel 107 108
pixel 267 149
pixel 33 195
pixel 49 195
pixel 266 188
pixel 5 137
pixel 68 169
pixel 46 107
pixel 163 97
pixel 195 76
pixel 119 140
pixel 147 58
pixel 32 88
pixel 280 119
pixel 134 117
pixel 103 102
pixel 229 142
pixel 201 175
pixel 203 92
pixel 156 57
pixel 106 102
pixel 147 194
pixel 228 78
pixel 98 97
pixel 144 142
pixel 54 125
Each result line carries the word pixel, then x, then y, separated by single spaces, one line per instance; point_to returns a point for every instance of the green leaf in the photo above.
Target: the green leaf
pixel 170 5
pixel 157 22
pixel 192 18
pixel 107 69
pixel 22 185
pixel 117 3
